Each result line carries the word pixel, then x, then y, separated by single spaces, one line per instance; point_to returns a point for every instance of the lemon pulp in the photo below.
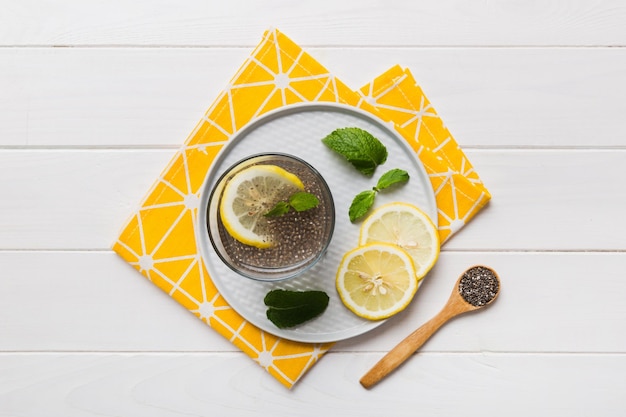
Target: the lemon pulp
pixel 409 228
pixel 376 281
pixel 248 195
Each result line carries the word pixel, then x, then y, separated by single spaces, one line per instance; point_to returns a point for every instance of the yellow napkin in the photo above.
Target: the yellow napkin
pixel 459 192
pixel 159 239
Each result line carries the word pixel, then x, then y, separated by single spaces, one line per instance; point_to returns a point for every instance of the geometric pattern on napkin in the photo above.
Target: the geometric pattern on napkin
pixel 159 238
pixel 459 190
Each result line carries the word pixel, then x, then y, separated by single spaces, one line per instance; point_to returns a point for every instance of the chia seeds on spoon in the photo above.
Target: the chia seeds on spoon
pixel 478 286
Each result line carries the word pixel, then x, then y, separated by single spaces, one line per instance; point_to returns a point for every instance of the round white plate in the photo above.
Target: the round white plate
pixel 298 130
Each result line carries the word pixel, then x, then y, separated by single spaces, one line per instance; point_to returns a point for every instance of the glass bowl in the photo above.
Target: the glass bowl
pixel 300 239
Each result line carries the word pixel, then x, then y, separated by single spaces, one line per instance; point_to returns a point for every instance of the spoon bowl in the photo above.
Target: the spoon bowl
pixel 476 288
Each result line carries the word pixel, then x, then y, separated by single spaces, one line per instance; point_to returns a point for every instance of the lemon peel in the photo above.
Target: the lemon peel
pixel 251 193
pixel 376 281
pixel 408 227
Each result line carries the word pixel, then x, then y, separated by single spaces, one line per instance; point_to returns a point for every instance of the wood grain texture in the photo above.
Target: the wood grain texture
pixel 543 199
pixel 323 22
pixel 533 91
pixel 474 384
pixel 496 97
pixel 99 303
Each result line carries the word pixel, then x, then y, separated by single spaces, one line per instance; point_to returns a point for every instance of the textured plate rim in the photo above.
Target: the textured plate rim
pixel 205 246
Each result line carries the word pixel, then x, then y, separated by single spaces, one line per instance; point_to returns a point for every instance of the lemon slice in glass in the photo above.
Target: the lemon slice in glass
pixel 408 227
pixel 251 193
pixel 376 281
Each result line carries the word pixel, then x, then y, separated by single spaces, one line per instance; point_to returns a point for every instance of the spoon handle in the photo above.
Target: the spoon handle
pixel 396 356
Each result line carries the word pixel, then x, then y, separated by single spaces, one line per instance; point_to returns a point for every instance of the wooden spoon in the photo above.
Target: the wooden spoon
pixel 476 288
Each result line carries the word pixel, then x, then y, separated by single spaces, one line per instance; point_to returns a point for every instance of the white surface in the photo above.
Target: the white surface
pixel 534 91
pixel 309 123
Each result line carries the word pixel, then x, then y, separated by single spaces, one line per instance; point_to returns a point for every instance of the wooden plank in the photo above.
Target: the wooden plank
pixel 548 200
pixel 72 199
pixel 566 97
pixel 325 22
pixel 121 97
pixel 542 199
pixel 532 91
pixel 93 301
pixel 468 384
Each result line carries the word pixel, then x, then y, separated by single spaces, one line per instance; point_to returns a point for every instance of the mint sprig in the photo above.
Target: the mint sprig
pixel 289 308
pixel 391 177
pixel 365 199
pixel 359 147
pixel 361 204
pixel 300 201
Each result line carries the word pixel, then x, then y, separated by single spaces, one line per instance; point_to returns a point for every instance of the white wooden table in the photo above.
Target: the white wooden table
pixel 96 96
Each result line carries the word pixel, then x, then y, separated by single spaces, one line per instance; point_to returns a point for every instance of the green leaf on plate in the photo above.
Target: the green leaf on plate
pixel 391 177
pixel 288 308
pixel 361 204
pixel 364 151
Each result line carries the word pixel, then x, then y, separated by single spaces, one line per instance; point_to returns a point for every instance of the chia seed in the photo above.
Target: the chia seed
pixel 479 286
pixel 298 237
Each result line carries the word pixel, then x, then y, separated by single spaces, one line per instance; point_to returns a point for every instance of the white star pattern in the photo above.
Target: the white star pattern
pixel 454 220
pixel 177 183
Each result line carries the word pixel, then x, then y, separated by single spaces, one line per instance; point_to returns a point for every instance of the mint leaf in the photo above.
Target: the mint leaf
pixel 361 204
pixel 290 308
pixel 359 147
pixel 302 201
pixel 282 207
pixel 365 199
pixel 392 177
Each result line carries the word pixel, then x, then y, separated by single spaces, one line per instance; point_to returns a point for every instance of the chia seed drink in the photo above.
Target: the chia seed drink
pixel 300 238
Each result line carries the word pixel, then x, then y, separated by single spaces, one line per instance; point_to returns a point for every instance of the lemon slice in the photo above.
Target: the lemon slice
pixel 408 227
pixel 376 281
pixel 248 195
